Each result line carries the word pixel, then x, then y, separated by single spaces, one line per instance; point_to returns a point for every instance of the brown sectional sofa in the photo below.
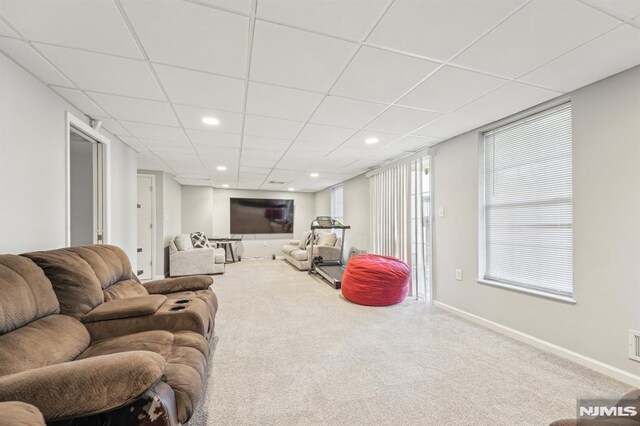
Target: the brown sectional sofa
pixel 15 413
pixel 96 285
pixel 86 343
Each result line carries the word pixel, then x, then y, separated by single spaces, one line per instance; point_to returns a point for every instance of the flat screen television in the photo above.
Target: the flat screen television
pixel 261 216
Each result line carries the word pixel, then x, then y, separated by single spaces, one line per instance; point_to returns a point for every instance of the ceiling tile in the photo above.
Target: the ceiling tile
pixel 131 109
pixel 265 144
pixel 190 35
pixel 228 157
pixel 95 25
pixel 214 139
pixel 626 8
pixel 280 102
pixel 313 149
pixel 519 45
pixel 297 161
pixel 336 111
pixel 153 131
pixel 23 54
pixel 349 19
pixel 201 89
pixel 324 135
pixel 271 127
pixel 379 75
pixel 283 175
pixel 5 30
pixel 438 28
pixel 104 73
pixel 450 88
pixel 401 120
pixel 114 127
pixel 177 146
pixel 238 5
pixel 134 143
pixel 296 58
pixel 191 118
pixel 414 143
pixel 255 170
pixel 253 158
pixel 613 52
pixel 81 101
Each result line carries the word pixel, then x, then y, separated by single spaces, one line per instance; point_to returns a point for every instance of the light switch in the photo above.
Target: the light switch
pixel 459 274
pixel 441 212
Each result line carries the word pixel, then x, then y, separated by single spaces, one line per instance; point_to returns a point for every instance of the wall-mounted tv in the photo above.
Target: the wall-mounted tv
pixel 261 216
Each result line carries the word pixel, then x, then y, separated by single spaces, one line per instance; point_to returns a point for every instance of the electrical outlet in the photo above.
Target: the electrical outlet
pixel 459 274
pixel 441 212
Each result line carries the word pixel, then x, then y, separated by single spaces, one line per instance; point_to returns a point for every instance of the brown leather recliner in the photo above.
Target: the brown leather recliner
pixel 15 413
pixel 96 285
pixel 49 360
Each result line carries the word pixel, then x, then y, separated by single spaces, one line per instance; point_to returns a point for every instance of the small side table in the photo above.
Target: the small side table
pixel 227 245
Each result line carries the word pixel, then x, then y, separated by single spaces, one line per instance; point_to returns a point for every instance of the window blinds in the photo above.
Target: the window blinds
pixel 527 203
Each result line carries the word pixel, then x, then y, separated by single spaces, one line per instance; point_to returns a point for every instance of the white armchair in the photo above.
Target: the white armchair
pixel 185 260
pixel 328 246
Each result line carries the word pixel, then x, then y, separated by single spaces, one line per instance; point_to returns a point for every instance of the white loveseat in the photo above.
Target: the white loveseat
pixel 327 245
pixel 184 259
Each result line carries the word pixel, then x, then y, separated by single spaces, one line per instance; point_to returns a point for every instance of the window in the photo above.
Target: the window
pixel 526 220
pixel 337 203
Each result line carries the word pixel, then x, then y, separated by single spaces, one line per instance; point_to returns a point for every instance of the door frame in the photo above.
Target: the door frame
pixel 79 126
pixel 154 229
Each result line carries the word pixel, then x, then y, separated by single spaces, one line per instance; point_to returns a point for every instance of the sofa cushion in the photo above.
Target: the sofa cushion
pixel 327 239
pixel 186 355
pixel 109 263
pixel 25 293
pixel 288 249
pixel 183 242
pixel 122 289
pixel 15 413
pixel 199 240
pixel 305 240
pixel 46 341
pixel 300 255
pixel 76 285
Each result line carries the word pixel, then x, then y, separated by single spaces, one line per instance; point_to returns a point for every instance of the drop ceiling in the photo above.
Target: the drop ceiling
pixel 298 85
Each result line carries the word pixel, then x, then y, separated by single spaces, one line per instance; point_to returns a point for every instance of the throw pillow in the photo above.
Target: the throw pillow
pixel 183 242
pixel 327 239
pixel 199 240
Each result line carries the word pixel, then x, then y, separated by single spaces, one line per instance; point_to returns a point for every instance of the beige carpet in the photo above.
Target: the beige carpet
pixel 290 351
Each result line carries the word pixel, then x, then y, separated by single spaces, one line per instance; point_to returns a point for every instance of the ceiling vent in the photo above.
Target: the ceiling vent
pixel 275 182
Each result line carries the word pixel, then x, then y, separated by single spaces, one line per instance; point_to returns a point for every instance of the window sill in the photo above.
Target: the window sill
pixel 565 299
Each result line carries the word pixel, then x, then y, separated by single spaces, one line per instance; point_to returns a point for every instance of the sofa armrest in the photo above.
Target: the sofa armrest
pixel 16 413
pixel 293 243
pixel 327 252
pixel 85 387
pixel 127 307
pixel 178 284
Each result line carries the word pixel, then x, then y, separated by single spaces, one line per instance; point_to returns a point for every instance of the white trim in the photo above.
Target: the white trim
pixel 526 290
pixel 154 225
pixel 78 124
pixel 159 277
pixel 580 359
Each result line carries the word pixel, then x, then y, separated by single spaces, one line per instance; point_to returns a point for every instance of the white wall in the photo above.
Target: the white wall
pixel 217 210
pixel 197 209
pixel 606 155
pixel 356 211
pixel 33 167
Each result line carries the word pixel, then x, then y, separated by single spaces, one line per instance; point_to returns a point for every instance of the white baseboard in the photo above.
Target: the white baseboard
pixel 583 360
pixel 159 277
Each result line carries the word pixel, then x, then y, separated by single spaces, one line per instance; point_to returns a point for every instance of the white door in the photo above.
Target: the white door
pixel 146 218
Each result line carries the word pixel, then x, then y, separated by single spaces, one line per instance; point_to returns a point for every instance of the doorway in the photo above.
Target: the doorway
pixel 87 214
pixel 146 207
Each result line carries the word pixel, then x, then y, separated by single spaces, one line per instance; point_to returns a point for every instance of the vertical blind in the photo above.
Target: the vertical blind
pixel 337 203
pixel 527 203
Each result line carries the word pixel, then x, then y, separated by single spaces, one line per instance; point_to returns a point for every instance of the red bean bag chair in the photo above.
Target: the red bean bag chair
pixel 375 280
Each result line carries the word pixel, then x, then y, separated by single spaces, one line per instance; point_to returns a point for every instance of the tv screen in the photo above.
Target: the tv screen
pixel 261 216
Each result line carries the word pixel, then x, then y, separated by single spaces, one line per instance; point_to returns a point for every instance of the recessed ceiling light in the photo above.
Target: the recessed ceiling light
pixel 224 185
pixel 221 168
pixel 314 175
pixel 371 141
pixel 291 189
pixel 212 121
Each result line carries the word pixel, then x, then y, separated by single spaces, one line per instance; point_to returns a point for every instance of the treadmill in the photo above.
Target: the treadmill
pixel 330 270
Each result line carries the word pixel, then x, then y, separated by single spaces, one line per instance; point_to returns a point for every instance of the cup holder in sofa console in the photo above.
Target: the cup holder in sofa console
pixel 177 308
pixel 182 301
